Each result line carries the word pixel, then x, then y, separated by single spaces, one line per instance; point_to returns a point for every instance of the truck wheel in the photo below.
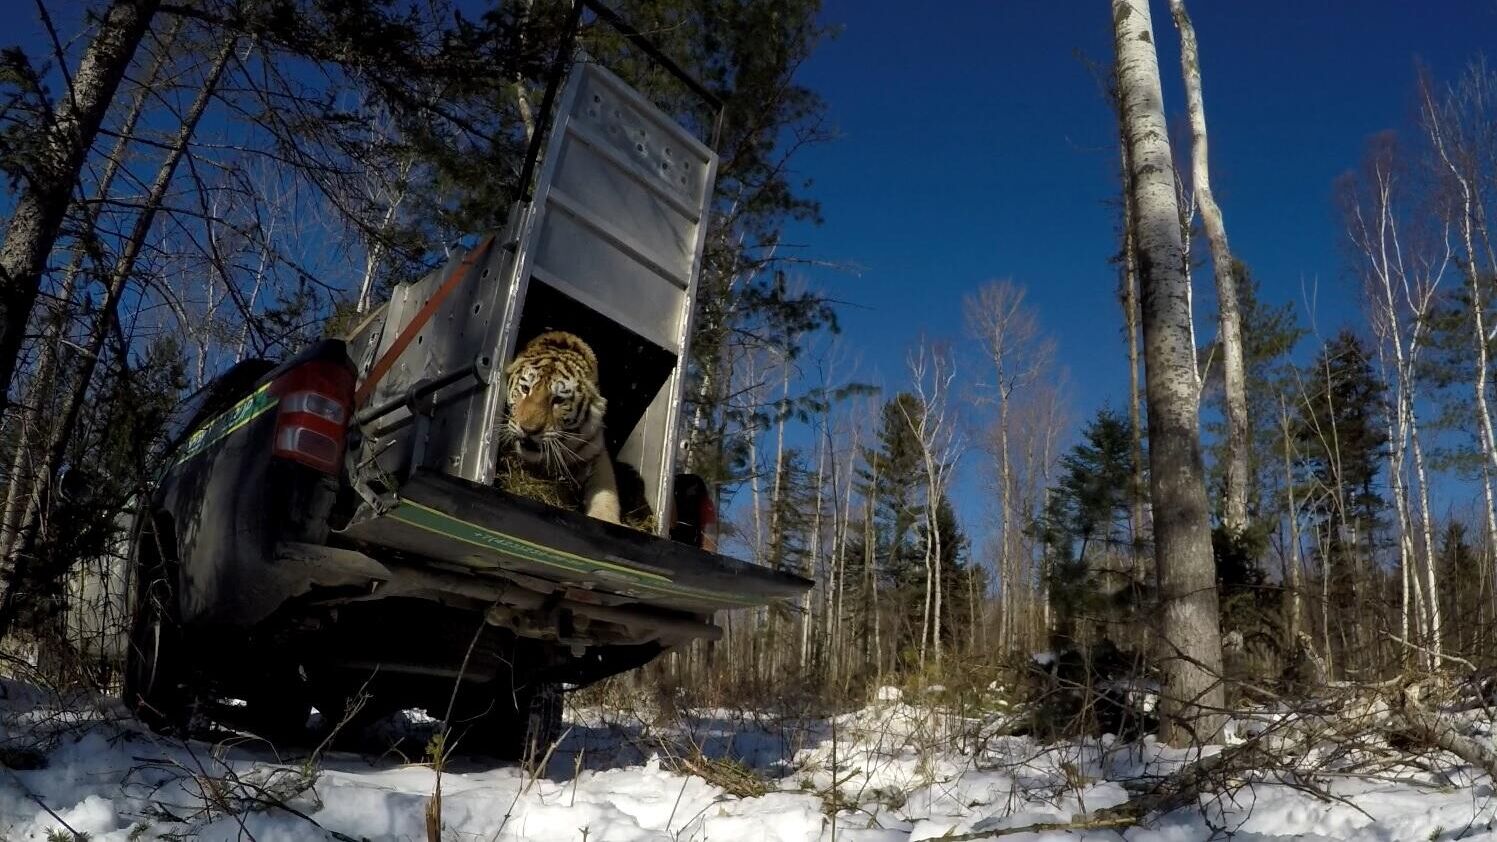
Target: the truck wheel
pixel 346 727
pixel 519 725
pixel 154 669
pixel 279 713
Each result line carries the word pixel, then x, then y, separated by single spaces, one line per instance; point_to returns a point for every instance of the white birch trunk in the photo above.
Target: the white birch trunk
pixel 1192 700
pixel 814 562
pixel 1436 621
pixel 1469 211
pixel 1229 319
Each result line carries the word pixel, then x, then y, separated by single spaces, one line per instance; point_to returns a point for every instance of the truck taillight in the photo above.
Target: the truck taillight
pixel 312 419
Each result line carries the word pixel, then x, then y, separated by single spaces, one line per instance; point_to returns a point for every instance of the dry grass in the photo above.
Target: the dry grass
pixel 519 479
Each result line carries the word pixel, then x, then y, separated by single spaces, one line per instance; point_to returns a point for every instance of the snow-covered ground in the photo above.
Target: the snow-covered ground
pixel 891 771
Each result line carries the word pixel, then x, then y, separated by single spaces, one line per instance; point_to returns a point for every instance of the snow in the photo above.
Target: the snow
pixel 894 771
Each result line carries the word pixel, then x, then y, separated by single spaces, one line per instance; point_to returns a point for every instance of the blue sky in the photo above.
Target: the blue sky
pixel 975 145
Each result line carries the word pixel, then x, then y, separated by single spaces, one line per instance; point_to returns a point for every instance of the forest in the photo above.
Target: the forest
pixel 1282 536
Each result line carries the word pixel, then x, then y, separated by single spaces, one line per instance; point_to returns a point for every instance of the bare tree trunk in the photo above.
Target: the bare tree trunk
pixel 972 612
pixel 870 579
pixel 756 495
pixel 38 214
pixel 776 505
pixel 1008 542
pixel 1135 394
pixel 1325 599
pixel 21 476
pixel 1008 333
pixel 1229 319
pixel 1469 214
pixel 814 562
pixel 376 250
pixel 1412 595
pixel 926 602
pixel 834 623
pixel 1293 574
pixel 1190 707
pixel 23 553
pixel 938 454
pixel 1426 525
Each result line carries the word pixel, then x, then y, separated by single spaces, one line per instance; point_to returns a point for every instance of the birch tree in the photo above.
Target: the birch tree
pixel 1192 700
pixel 1457 127
pixel 1008 334
pixel 931 375
pixel 1229 319
pixel 1401 277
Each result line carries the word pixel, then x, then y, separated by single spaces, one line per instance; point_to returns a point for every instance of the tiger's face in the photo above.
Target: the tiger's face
pixel 555 413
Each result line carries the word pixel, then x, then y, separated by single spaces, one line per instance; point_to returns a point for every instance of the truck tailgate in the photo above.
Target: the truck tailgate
pixel 485 529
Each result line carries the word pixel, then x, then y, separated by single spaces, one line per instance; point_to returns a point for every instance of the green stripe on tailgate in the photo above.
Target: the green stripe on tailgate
pixel 441 523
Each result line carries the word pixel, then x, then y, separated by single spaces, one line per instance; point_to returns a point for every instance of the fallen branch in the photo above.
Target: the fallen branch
pixel 1185 785
pixel 1415 720
pixel 1092 824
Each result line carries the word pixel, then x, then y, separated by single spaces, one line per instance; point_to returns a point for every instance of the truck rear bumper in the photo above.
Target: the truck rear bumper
pixel 334 575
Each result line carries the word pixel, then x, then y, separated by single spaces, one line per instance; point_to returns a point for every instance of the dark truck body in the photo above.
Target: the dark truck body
pixel 284 597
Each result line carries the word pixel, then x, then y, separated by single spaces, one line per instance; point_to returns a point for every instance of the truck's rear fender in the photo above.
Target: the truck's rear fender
pixel 233 500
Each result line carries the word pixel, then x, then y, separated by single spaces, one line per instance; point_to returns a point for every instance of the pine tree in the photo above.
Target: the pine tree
pixel 1341 435
pixel 892 474
pixel 1085 527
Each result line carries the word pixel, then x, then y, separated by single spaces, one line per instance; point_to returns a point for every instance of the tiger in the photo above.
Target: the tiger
pixel 554 418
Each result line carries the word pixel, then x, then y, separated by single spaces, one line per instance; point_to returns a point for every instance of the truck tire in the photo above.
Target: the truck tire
pixel 278 711
pixel 518 725
pixel 154 664
pixel 345 716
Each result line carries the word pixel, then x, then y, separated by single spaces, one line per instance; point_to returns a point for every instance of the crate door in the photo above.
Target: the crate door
pixel 617 225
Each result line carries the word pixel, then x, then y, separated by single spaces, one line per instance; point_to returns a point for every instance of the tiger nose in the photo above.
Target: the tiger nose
pixel 531 430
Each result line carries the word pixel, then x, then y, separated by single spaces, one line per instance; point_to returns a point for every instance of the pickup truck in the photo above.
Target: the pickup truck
pixel 329 534
pixel 254 581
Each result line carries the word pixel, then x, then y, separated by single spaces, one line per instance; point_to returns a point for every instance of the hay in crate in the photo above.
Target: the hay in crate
pixel 517 478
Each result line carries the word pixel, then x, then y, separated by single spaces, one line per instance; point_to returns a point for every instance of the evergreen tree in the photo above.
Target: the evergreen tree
pixel 108 462
pixel 794 516
pixel 1341 438
pixel 1084 528
pixel 1444 372
pixel 1269 336
pixel 893 473
pixel 1342 433
pixel 1462 572
pixel 1096 478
